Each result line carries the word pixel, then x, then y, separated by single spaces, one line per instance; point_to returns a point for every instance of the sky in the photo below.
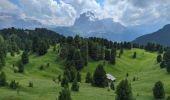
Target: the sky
pixel 64 12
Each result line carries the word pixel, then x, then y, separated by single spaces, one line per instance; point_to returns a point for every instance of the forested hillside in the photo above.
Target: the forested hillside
pixel 43 65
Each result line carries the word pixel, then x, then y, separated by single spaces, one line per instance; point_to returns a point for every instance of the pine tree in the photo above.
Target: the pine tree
pixel 159 58
pixel 113 56
pixel 168 66
pixel 78 61
pixel 65 94
pixel 84 52
pixel 88 78
pixel 112 86
pixel 163 64
pixel 2 52
pixel 134 55
pixel 2 79
pixel 99 77
pixel 64 82
pixel 25 58
pixel 124 91
pixel 158 90
pixel 21 68
pixel 107 55
pixel 78 76
pixel 75 85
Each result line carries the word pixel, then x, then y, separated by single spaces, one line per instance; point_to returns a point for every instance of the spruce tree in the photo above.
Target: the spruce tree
pixel 112 86
pixel 107 55
pixel 21 68
pixel 168 66
pixel 78 76
pixel 88 78
pixel 113 56
pixel 158 90
pixel 64 82
pixel 65 94
pixel 2 79
pixel 159 58
pixel 99 77
pixel 25 58
pixel 75 85
pixel 134 55
pixel 124 91
pixel 78 61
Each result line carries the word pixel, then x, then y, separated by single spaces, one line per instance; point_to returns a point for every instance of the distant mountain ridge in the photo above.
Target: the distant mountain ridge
pixel 88 25
pixel 161 36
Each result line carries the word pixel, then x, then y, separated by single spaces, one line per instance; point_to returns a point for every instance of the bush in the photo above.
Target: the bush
pixel 158 90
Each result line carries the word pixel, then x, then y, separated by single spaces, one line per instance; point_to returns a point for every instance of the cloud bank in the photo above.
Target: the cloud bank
pixel 64 12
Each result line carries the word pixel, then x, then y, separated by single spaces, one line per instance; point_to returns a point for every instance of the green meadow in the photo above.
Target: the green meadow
pixel 144 68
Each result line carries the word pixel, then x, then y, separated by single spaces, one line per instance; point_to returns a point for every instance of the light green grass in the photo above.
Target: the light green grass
pixel 144 67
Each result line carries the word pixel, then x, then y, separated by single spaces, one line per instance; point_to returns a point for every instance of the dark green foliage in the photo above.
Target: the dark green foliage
pixel 13 84
pixel 166 55
pixel 158 90
pixel 78 76
pixel 113 57
pixel 159 58
pixel 134 55
pixel 21 68
pixel 163 64
pixel 88 78
pixel 2 52
pixel 59 78
pixel 42 48
pixel 107 55
pixel 30 84
pixel 84 52
pixel 2 79
pixel 168 98
pixel 112 86
pixel 64 82
pixel 75 85
pixel 99 77
pixel 124 91
pixel 168 66
pixel 65 94
pixel 25 57
pixel 78 60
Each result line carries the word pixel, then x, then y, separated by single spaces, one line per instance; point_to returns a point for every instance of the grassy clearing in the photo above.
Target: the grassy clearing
pixel 144 68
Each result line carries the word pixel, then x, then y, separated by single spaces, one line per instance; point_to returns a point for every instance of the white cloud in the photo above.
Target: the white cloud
pixel 64 12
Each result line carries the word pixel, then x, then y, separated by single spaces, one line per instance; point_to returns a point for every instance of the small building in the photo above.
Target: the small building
pixel 110 77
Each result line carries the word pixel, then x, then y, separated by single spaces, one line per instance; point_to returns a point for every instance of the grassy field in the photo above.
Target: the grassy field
pixel 144 68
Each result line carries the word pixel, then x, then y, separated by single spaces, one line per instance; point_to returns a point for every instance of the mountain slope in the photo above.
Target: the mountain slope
pixel 88 25
pixel 161 36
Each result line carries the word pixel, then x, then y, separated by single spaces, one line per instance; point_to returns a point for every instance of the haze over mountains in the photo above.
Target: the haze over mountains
pixel 161 36
pixel 88 25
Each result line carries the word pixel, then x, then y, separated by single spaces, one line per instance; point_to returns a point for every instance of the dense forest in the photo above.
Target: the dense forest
pixel 76 52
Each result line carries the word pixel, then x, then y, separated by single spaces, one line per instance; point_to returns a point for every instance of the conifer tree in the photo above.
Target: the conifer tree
pixel 159 58
pixel 78 61
pixel 75 85
pixel 25 58
pixel 2 79
pixel 99 77
pixel 124 91
pixel 158 90
pixel 21 68
pixel 88 78
pixel 65 94
pixel 113 56
pixel 78 76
